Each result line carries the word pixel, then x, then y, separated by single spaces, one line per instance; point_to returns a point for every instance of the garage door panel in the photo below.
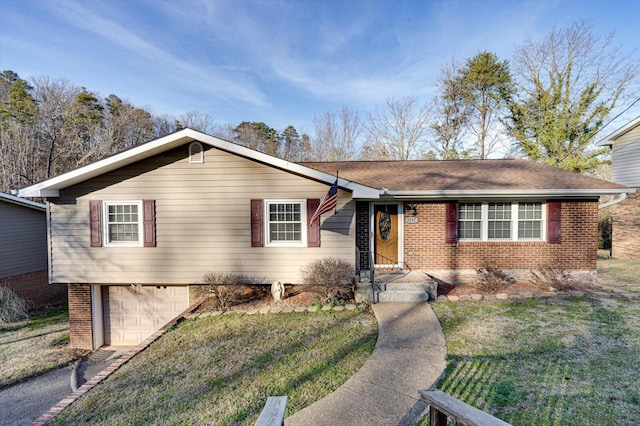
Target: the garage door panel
pixel 134 313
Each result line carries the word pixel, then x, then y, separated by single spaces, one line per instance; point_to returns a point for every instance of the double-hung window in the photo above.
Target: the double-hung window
pixel 286 223
pixel 123 223
pixel 501 221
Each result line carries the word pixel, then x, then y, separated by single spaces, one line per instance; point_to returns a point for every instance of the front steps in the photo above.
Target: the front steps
pixel 399 287
pixel 405 292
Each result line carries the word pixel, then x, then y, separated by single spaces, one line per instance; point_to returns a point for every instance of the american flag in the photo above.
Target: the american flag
pixel 328 203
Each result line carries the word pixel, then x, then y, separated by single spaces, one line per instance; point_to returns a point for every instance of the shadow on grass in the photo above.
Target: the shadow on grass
pixel 175 393
pixel 559 378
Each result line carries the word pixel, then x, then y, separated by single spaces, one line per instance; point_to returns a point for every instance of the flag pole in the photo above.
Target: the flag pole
pixel 336 208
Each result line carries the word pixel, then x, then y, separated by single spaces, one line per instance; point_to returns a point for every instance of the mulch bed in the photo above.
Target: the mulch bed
pixel 466 289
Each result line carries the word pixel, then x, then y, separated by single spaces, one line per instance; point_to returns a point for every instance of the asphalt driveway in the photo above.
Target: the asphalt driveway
pixel 24 402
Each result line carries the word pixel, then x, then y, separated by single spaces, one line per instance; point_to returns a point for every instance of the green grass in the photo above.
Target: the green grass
pixel 33 347
pixel 221 369
pixel 557 361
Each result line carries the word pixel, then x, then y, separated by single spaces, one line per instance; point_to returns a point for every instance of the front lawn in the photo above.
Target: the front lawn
pixel 556 361
pixel 35 346
pixel 221 369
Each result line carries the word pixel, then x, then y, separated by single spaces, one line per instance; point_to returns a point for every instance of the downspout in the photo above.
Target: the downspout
pixel 622 197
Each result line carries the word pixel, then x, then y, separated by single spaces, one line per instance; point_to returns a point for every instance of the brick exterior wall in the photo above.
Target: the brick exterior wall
pixel 80 319
pixel 425 247
pixel 626 228
pixel 35 289
pixel 362 233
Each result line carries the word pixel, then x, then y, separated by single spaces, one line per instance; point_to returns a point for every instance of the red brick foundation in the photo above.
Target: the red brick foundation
pixel 35 289
pixel 80 318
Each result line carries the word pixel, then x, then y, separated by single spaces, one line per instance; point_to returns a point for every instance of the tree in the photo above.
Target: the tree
pixel 399 132
pixel 258 136
pixel 19 162
pixel 336 135
pixel 450 116
pixel 567 85
pixel 485 85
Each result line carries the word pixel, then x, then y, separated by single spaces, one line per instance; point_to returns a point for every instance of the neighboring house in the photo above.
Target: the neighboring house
pixel 625 159
pixel 23 252
pixel 132 235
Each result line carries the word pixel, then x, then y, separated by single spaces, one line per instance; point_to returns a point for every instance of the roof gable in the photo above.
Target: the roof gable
pixel 52 187
pixel 611 138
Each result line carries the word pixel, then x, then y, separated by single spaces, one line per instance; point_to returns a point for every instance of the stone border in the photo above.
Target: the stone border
pixel 54 411
pixel 536 295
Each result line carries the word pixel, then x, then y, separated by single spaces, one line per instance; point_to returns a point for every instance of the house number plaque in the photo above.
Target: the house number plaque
pixel 411 219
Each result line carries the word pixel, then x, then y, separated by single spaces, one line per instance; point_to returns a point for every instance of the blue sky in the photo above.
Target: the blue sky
pixel 279 62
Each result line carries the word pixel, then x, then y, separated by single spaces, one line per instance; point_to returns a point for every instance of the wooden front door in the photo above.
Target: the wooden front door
pixel 386 234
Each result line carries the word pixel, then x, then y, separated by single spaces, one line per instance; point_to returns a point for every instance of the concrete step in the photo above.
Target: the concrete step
pixel 407 286
pixel 403 296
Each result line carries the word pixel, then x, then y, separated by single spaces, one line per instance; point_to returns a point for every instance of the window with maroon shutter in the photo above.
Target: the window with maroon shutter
pixel 554 222
pixel 149 222
pixel 313 231
pixel 95 222
pixel 451 223
pixel 257 227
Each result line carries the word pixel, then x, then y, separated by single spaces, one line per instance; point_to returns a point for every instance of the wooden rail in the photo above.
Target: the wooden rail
pixel 443 406
pixel 273 412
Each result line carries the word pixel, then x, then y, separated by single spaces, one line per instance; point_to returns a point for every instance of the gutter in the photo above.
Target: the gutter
pixel 620 199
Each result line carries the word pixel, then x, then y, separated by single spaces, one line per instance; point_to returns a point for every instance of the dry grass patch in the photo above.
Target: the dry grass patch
pixel 619 274
pixel 221 369
pixel 569 361
pixel 33 347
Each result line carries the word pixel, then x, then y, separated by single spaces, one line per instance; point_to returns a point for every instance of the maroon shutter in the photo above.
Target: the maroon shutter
pixel 452 223
pixel 149 222
pixel 554 222
pixel 257 232
pixel 313 231
pixel 95 222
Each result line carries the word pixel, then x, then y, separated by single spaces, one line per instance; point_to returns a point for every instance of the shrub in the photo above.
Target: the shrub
pixel 230 289
pixel 492 280
pixel 552 276
pixel 12 307
pixel 331 279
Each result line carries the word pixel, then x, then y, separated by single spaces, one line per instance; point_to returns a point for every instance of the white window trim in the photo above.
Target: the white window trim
pixel 484 226
pixel 196 159
pixel 105 227
pixel 303 217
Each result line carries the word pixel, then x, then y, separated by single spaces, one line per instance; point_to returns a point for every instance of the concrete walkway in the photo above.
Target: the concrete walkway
pixel 409 356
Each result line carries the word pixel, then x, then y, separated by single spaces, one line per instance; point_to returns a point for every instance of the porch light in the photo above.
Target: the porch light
pixel 411 208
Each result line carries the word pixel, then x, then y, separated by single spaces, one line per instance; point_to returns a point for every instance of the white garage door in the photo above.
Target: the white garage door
pixel 131 314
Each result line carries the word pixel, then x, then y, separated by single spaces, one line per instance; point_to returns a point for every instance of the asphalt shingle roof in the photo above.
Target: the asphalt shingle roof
pixel 460 175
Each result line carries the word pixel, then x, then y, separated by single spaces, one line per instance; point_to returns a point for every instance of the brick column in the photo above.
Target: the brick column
pixel 80 318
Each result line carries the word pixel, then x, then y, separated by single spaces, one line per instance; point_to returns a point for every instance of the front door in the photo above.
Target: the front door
pixel 386 234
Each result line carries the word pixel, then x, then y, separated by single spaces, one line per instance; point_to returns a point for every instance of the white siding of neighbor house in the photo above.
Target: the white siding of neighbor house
pixel 202 222
pixel 625 157
pixel 23 239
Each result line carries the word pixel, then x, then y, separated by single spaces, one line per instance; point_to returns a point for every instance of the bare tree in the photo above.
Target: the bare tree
pixel 450 116
pixel 399 132
pixel 336 135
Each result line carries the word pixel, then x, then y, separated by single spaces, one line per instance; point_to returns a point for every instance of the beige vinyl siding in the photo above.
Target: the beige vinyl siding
pixel 625 157
pixel 202 222
pixel 23 239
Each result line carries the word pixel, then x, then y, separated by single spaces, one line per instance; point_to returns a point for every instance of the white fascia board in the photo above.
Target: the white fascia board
pixel 610 139
pixel 21 201
pixel 51 187
pixel 531 193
